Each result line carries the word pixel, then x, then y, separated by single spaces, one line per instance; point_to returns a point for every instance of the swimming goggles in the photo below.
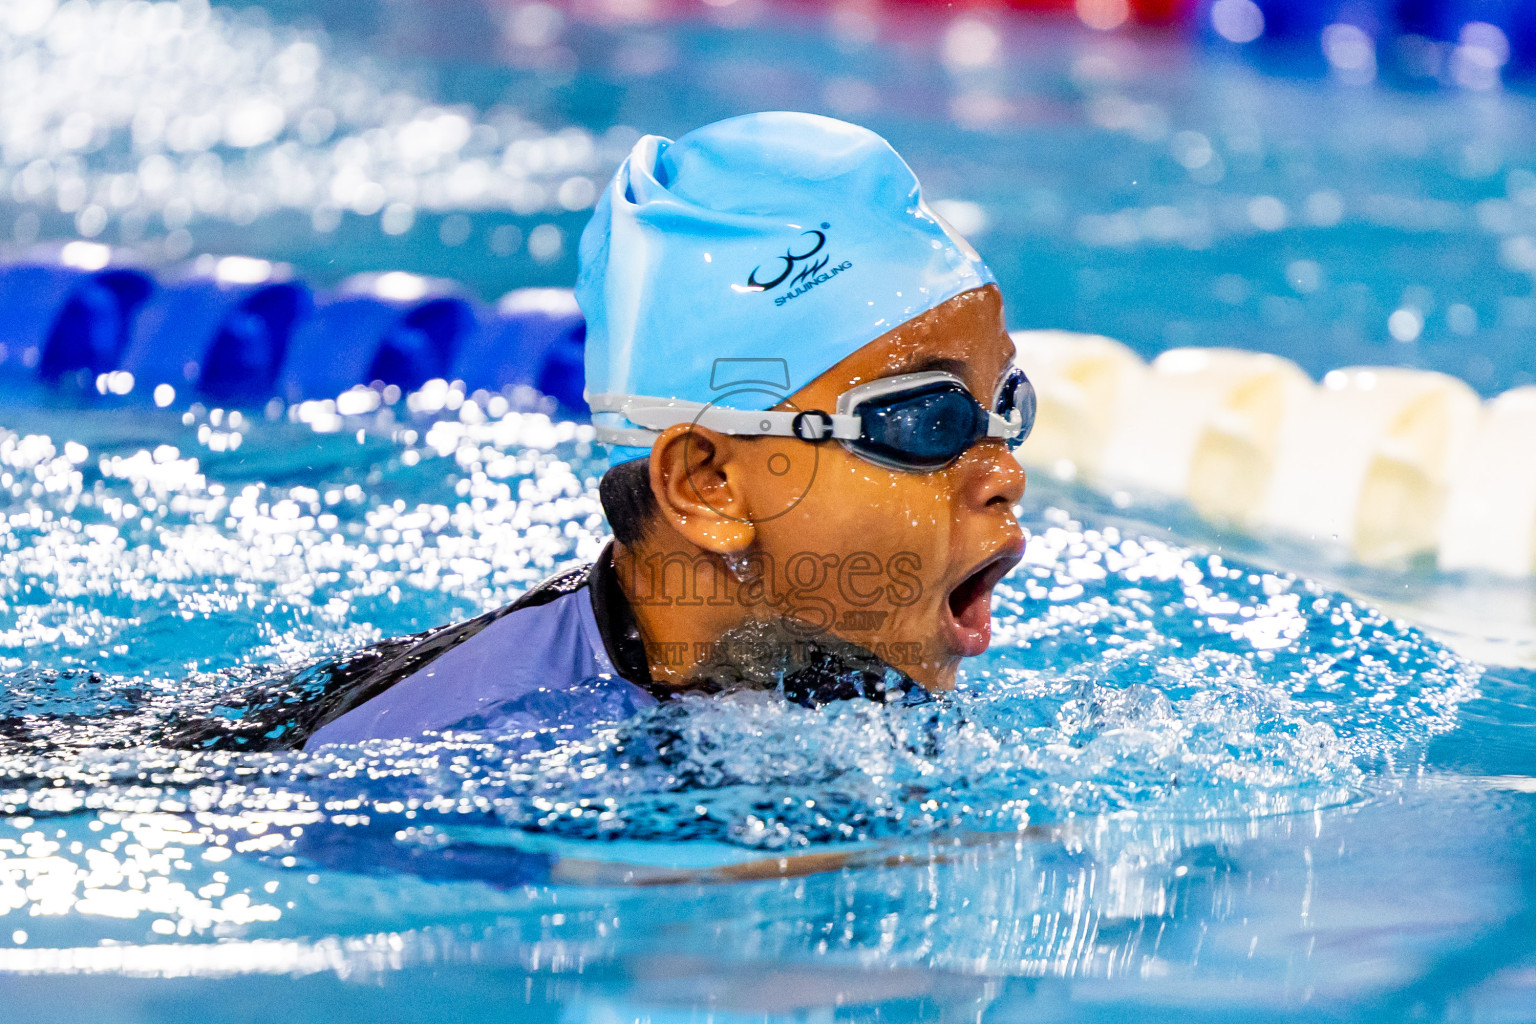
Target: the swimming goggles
pixel 915 421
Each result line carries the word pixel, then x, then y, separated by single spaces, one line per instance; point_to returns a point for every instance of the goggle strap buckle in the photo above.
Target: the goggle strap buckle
pixel 812 425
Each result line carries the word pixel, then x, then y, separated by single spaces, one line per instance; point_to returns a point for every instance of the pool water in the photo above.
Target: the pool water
pixel 1179 781
pixel 1198 777
pixel 1127 184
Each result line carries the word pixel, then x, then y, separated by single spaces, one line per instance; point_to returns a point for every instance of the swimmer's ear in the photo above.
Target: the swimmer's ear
pixel 696 483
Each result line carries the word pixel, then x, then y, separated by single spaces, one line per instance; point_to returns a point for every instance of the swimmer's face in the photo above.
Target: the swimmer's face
pixel 898 561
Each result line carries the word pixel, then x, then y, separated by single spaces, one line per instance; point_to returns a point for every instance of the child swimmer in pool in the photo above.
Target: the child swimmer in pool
pixel 809 394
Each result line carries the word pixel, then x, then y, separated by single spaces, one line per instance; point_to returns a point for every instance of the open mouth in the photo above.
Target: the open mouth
pixel 970 602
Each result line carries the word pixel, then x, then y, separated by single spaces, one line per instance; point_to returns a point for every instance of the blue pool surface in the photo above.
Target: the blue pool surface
pixel 1180 781
pixel 1199 777
pixel 1136 185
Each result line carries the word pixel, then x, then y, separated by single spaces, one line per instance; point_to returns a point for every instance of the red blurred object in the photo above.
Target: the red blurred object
pixel 1141 12
pixel 1161 12
pixel 1144 12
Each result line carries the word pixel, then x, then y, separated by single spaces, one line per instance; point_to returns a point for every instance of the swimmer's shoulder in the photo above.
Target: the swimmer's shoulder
pixel 369 673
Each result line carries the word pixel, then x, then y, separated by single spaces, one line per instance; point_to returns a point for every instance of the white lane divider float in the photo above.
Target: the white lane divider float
pixel 1368 461
pixel 1490 515
pixel 1206 426
pixel 1392 463
pixel 1082 382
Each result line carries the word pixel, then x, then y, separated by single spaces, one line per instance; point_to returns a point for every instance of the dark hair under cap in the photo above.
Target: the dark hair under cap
pixel 625 492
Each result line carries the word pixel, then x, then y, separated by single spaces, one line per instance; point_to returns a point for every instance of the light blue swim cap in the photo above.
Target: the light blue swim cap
pixel 737 264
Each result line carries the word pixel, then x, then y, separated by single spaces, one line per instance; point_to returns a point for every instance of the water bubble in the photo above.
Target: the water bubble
pixel 545 242
pixel 91 221
pixel 1239 21
pixel 971 43
pixel 1351 51
pixel 1192 150
pixel 1103 15
pixel 454 230
pixel 535 25
pixel 1324 209
pixel 1461 318
pixel 398 218
pixel 1267 213
pixel 505 239
pixel 968 218
pixel 1405 325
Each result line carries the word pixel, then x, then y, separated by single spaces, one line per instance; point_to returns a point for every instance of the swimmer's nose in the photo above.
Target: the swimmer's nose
pixel 994 476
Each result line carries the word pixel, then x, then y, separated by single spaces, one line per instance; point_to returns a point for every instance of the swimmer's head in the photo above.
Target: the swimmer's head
pixel 806 381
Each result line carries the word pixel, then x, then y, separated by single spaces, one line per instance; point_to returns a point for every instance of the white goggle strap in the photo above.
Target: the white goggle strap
pixel 626 437
pixel 657 414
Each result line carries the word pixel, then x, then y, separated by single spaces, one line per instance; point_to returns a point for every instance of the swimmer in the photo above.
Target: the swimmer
pixel 803 376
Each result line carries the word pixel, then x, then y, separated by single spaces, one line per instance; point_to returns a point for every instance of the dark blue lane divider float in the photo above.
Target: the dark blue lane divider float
pixel 58 322
pixel 236 331
pixel 536 339
pixel 220 340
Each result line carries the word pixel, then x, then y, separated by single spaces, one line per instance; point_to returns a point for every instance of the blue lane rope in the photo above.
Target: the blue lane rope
pixel 235 342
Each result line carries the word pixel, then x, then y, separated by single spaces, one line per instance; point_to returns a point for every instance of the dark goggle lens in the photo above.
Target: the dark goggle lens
pixel 924 429
pixel 1017 394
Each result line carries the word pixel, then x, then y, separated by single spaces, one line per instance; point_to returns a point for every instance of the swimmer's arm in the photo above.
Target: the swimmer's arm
pixel 578 871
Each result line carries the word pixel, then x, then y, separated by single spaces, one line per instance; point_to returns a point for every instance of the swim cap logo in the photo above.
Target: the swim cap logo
pixel 811 271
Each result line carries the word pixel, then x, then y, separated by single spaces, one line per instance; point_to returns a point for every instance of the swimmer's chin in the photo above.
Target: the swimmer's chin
pixel 967 610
